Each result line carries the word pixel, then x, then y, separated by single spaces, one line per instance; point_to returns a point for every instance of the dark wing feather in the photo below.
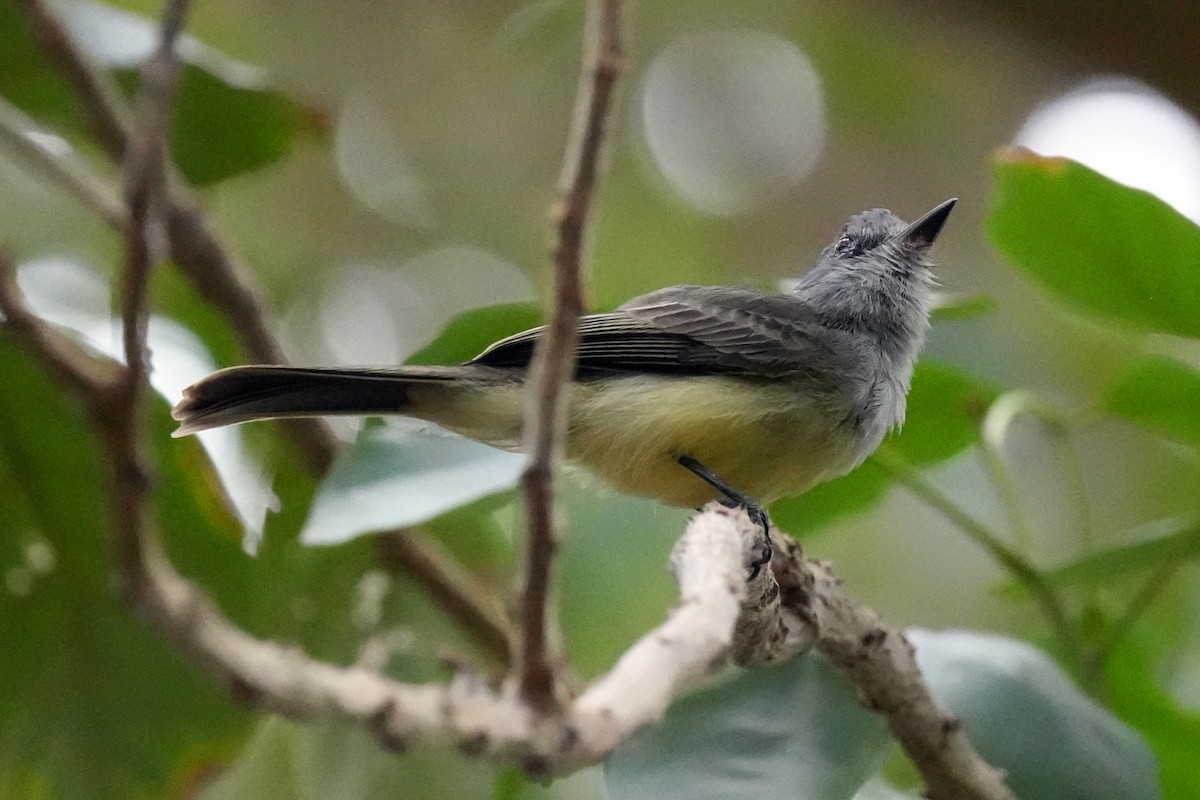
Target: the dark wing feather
pixel 693 330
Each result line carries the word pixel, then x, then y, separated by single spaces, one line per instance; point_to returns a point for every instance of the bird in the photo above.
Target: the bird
pixel 686 394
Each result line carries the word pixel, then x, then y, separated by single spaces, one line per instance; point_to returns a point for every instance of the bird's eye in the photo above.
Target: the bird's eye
pixel 844 245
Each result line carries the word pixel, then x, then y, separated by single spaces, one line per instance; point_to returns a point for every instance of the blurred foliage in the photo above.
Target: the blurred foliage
pixel 98 706
pixel 1120 254
pixel 945 407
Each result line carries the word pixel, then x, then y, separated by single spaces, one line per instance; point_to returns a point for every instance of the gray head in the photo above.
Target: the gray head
pixel 875 278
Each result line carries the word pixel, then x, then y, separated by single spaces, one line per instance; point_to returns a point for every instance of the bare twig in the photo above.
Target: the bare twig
pixel 554 359
pixel 453 588
pixel 879 662
pixel 18 133
pixel 197 248
pixel 85 378
pixel 100 95
pixel 1028 575
pixel 145 240
pixel 214 269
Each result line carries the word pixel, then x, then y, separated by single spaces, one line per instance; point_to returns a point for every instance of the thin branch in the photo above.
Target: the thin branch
pixel 197 247
pixel 87 379
pixel 880 663
pixel 696 640
pixel 1154 584
pixel 1026 573
pixel 18 133
pixel 101 97
pixel 994 428
pixel 717 615
pixel 452 587
pixel 554 359
pixel 212 267
pixel 145 247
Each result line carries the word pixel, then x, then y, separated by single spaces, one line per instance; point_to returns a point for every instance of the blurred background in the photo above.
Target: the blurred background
pixel 410 178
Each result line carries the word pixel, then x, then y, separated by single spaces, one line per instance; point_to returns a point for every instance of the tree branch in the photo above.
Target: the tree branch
pixel 879 662
pixel 453 588
pixel 215 271
pixel 145 247
pixel 18 133
pixel 554 358
pixel 719 618
pixel 101 97
pixel 86 378
pixel 196 246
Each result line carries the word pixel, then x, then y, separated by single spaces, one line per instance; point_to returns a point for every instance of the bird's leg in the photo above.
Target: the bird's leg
pixel 735 498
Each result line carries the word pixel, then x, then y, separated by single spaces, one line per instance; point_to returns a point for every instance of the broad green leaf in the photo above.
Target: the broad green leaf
pixel 945 406
pixel 1162 395
pixel 830 501
pixel 72 722
pixel 1135 692
pixel 469 334
pixel 1101 247
pixel 795 730
pixel 227 120
pixel 221 130
pixel 393 478
pixel 28 79
pixel 1025 716
pixel 86 680
pixel 286 761
pixel 1168 542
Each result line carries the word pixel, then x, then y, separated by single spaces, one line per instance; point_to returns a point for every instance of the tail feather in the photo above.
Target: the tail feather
pixel 242 394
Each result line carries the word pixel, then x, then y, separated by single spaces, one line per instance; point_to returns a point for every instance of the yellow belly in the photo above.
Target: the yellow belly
pixel 763 439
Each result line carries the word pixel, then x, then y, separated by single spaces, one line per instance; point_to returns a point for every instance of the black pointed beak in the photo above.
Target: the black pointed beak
pixel 923 232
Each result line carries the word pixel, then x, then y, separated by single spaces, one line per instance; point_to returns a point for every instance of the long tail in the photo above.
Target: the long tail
pixel 241 394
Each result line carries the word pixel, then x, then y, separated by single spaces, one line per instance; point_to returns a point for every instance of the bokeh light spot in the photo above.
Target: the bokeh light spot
pixel 1127 131
pixel 732 118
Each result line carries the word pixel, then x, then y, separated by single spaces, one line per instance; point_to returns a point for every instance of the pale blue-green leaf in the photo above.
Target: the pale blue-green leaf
pixel 72 297
pixel 1025 716
pixel 393 477
pixel 795 731
pixel 876 789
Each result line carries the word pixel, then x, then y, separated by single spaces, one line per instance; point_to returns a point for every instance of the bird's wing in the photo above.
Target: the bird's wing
pixel 693 330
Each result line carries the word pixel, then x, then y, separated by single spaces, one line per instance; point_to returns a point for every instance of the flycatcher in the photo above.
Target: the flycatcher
pixel 684 394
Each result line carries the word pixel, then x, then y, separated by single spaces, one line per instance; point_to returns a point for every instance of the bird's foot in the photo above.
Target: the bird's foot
pixel 732 498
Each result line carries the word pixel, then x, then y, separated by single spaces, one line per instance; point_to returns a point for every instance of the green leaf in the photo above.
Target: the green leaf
pixel 1114 563
pixel 831 501
pixel 227 121
pixel 945 407
pixel 1101 247
pixel 28 79
pixel 221 130
pixel 86 679
pixel 89 678
pixel 1025 716
pixel 795 730
pixel 1161 395
pixel 469 334
pixel 393 479
pixel 286 760
pixel 1134 691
